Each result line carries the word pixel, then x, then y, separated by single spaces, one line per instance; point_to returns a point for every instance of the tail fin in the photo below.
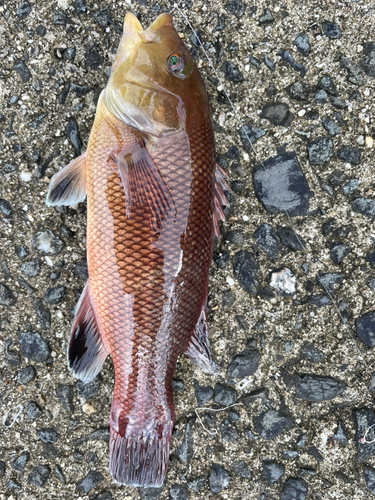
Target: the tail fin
pixel 139 456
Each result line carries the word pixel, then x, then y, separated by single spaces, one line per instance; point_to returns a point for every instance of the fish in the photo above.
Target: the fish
pixel 155 195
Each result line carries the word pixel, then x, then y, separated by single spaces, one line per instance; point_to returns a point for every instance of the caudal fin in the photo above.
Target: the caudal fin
pixel 140 458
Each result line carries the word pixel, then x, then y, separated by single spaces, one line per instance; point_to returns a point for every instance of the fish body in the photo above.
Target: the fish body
pixel 154 196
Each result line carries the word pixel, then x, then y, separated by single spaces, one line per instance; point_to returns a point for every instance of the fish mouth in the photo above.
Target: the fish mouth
pixel 133 26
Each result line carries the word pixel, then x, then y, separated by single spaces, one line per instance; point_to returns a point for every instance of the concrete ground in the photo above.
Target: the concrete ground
pixel 295 347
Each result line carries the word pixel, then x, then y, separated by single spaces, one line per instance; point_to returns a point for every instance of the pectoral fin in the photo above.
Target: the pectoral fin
pixel 199 351
pixel 144 186
pixel 68 186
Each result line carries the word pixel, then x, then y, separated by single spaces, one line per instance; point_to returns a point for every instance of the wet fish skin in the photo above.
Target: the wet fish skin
pixel 154 197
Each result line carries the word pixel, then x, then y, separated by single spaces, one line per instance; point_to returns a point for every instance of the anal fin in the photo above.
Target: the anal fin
pixel 68 186
pixel 199 351
pixel 219 197
pixel 87 350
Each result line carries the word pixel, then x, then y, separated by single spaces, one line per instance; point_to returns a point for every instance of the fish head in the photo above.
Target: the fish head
pixel 155 86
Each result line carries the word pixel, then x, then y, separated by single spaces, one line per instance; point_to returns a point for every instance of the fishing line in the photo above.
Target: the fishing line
pixel 176 6
pixel 215 431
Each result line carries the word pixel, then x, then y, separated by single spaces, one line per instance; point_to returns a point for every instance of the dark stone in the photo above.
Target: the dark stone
pixel 364 206
pixel 320 151
pixel 368 61
pixel 350 154
pixel 65 394
pixel 329 282
pixel 319 300
pixel 338 103
pixel 277 113
pixel 89 482
pixel 33 346
pixel 79 90
pixel 196 39
pixel 20 67
pixel 272 471
pixel 23 10
pixel 340 434
pixel 351 186
pixel 303 44
pixel 228 431
pixel 185 450
pixel 235 7
pixel 369 475
pixel 197 484
pixel 39 475
pixel 22 252
pixel 26 375
pixel 234 237
pixel 311 353
pixel 47 435
pixel 5 207
pixel 370 258
pixel 47 242
pixel 269 63
pixel 42 313
pixel 254 61
pixel 150 493
pixel 339 252
pixel 33 410
pixel 281 186
pixel 20 463
pixel 355 75
pixel 244 364
pixel 218 479
pixel 244 269
pixel 74 135
pixel 80 6
pixel 6 296
pixel 266 239
pixel 224 394
pixel 89 390
pixel 320 96
pixel 2 469
pixel 179 492
pixel 81 270
pixel 202 393
pixel 54 295
pixel 30 269
pixel 60 18
pixel 59 474
pixel 331 127
pixel 365 327
pixel 241 469
pixel 271 423
pixel 288 58
pixel 326 83
pixel 370 282
pixel 318 388
pixel 331 30
pixel 289 238
pixel 231 72
pixel 249 136
pixel 299 91
pixel 364 423
pixel 222 259
pixel 266 18
pixel 13 485
pixel 294 489
pixel 41 30
pixel 101 434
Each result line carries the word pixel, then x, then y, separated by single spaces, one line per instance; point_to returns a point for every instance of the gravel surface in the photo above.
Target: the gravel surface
pixel 282 320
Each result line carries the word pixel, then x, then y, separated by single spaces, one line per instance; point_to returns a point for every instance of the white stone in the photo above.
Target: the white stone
pixel 284 281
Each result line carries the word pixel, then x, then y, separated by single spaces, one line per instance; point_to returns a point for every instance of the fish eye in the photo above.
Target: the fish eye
pixel 176 64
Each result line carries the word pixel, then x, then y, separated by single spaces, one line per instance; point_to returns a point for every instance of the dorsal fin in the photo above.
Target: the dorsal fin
pixel 199 351
pixel 68 186
pixel 219 197
pixel 87 350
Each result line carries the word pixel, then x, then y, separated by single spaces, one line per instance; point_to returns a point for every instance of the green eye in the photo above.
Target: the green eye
pixel 176 64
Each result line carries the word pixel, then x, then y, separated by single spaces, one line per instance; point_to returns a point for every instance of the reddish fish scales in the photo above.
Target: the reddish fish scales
pixel 154 196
